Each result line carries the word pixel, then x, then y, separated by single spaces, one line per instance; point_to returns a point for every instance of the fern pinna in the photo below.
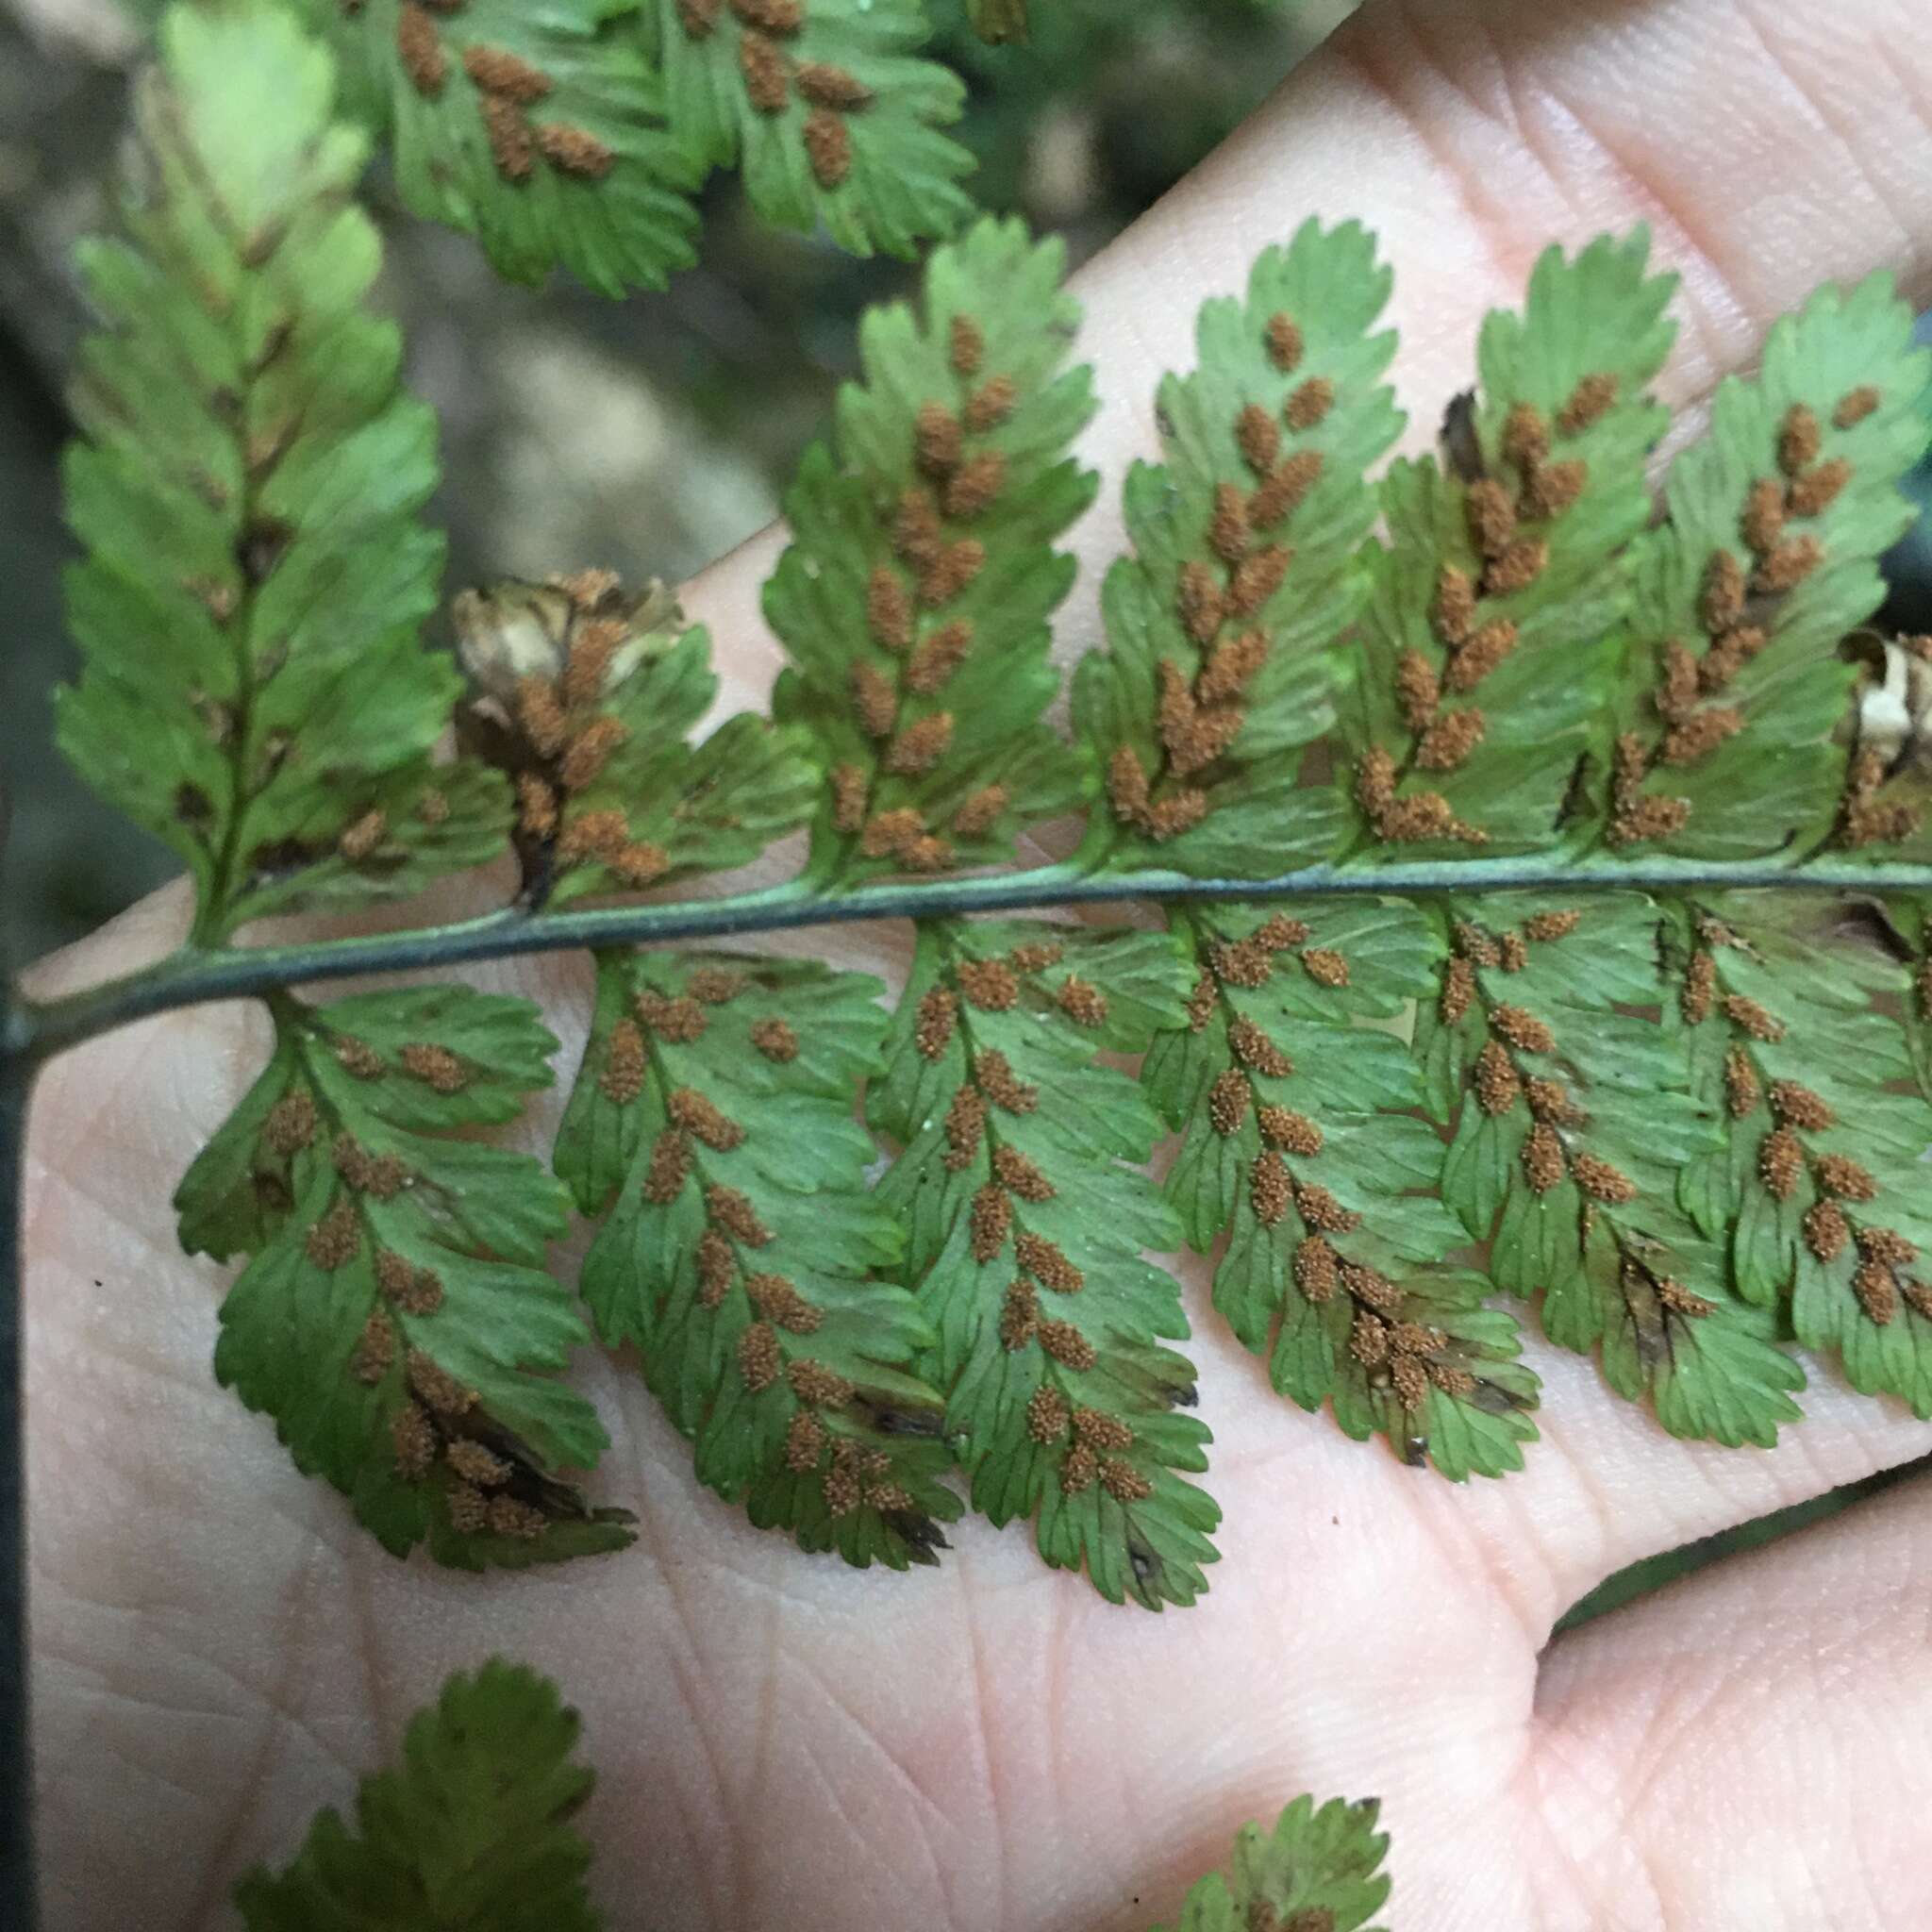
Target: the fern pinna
pixel 1531 872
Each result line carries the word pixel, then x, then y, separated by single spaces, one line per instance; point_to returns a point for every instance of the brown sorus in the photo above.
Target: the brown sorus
pixel 1780 1162
pixel 511 145
pixel 1309 404
pixel 336 1239
pixel 988 984
pixel 498 71
pixel 828 147
pixel 760 1361
pixel 1800 439
pixel 1293 1133
pixel 420 47
pixel 625 1064
pixel 1854 407
pixel 669 1168
pixel 1554 489
pixel 966 340
pixel 360 840
pixel 933 1024
pixel 1228 1099
pixel 290 1123
pixel 1048 1265
pixel 1285 488
pixel 1840 1175
pixel 828 86
pixel 436 1387
pixel 1083 1003
pixel 1259 437
pixel 678 1020
pixel 733 1212
pixel 767 85
pixel 1067 1345
pixel 1589 401
pixel 1015 1172
pixel 992 1222
pixel 1285 342
pixel 991 403
pixel 1826 1230
pixel 575 150
pixel 775 1039
pixel 1796 1106
pixel 1491 517
pixel 1543 1165
pixel 1521 1029
pixel 690 1109
pixel 1047 1416
pixel 1763 522
pixel 413 1436
pixel 1323 1212
pixel 1495 1079
pixel 939 655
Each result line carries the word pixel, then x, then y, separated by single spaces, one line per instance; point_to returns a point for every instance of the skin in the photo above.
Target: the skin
pixel 217 1649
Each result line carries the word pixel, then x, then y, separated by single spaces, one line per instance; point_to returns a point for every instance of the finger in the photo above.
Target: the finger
pixel 1752 1746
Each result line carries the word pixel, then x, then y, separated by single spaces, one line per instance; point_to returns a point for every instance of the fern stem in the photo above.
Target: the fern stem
pixel 192 976
pixel 17 1900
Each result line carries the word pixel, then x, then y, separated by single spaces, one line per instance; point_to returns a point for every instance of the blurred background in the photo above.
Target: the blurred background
pixel 650 434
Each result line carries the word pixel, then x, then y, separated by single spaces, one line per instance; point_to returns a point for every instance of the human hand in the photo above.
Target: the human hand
pixel 986 1748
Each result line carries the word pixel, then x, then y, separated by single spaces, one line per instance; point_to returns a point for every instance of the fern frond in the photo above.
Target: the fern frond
pixel 585 696
pixel 1319 1869
pixel 1026 1223
pixel 829 108
pixel 1489 649
pixel 1220 668
pixel 541 132
pixel 711 1131
pixel 1573 1118
pixel 1818 1189
pixel 471 1832
pixel 1298 1106
pixel 1736 690
pixel 254 688
pixel 915 597
pixel 395 1318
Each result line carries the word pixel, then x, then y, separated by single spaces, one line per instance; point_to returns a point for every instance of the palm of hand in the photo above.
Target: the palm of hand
pixel 990 1747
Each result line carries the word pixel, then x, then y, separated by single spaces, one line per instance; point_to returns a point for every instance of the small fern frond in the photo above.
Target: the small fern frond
pixel 1298 1104
pixel 1319 1869
pixel 915 598
pixel 1729 742
pixel 585 698
pixel 1026 1220
pixel 711 1133
pixel 542 133
pixel 253 690
pixel 473 1829
pixel 395 1318
pixel 1220 670
pixel 828 109
pixel 1504 556
pixel 1574 1116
